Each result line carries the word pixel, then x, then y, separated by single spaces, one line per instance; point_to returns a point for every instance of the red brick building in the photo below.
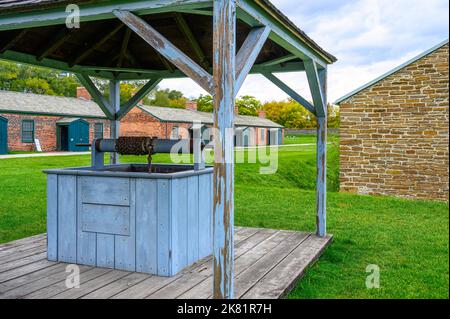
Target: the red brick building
pixel 59 123
pixel 395 131
pixel 175 123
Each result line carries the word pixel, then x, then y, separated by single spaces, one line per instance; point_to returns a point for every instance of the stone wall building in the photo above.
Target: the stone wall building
pixel 394 134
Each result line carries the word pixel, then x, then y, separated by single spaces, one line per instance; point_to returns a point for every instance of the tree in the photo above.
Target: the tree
pixel 24 78
pixel 127 90
pixel 167 98
pixel 248 105
pixel 290 114
pixel 205 103
pixel 334 116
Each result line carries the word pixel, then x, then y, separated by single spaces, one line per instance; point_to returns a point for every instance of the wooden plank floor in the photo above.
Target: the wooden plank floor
pixel 267 265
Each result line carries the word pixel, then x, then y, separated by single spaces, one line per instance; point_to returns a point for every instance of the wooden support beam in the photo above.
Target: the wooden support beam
pixel 248 53
pixel 13 41
pixel 286 89
pixel 95 44
pixel 99 10
pixel 133 101
pixel 55 42
pixel 167 49
pixel 316 88
pixel 321 192
pixel 166 63
pixel 195 46
pixel 123 49
pixel 281 60
pixel 114 101
pixel 321 182
pixel 96 95
pixel 202 12
pixel 224 70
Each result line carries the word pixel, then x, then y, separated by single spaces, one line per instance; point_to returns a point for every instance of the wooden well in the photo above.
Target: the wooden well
pixel 120 218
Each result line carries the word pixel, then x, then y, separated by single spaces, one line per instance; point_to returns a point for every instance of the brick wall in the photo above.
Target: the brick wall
pixel 140 123
pixel 395 134
pixel 44 130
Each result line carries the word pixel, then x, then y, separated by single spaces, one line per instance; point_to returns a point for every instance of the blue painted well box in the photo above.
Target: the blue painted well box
pixel 124 218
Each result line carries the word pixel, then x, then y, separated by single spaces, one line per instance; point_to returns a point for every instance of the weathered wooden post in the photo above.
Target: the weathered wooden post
pixel 322 131
pixel 224 100
pixel 114 101
pixel 317 79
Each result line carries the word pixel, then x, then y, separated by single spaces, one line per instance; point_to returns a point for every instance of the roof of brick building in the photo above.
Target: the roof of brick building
pixel 391 72
pixel 166 114
pixel 40 104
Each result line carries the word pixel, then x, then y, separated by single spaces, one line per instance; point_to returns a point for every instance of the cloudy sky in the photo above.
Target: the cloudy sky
pixel 369 37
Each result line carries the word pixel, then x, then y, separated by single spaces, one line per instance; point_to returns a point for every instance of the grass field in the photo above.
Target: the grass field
pixel 307 139
pixel 408 240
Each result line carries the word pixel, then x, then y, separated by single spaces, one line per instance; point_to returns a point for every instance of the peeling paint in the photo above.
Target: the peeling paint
pixel 224 83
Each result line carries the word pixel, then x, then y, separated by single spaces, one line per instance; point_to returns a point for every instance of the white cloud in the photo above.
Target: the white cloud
pixel 369 37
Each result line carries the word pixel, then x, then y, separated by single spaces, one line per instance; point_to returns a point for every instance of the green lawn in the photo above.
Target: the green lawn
pixel 307 139
pixel 408 240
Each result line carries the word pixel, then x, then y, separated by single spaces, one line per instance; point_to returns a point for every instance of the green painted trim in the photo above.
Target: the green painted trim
pixel 51 64
pixel 94 11
pixel 51 114
pixel 391 72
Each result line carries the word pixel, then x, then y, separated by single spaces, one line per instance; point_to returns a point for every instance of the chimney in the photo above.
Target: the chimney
pixel 262 114
pixel 191 105
pixel 236 110
pixel 82 93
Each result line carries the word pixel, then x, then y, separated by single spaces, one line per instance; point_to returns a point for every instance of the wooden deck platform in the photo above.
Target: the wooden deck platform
pixel 267 265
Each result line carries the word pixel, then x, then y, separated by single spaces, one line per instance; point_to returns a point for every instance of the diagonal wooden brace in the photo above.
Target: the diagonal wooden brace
pixel 167 49
pixel 297 97
pixel 96 95
pixel 248 53
pixel 126 107
pixel 316 87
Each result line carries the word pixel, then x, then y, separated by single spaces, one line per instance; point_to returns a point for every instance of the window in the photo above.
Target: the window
pixel 27 131
pixel 174 133
pixel 98 130
pixel 263 134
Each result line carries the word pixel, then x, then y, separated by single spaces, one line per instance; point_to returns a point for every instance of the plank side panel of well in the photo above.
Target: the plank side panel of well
pixel 193 219
pixel 67 218
pixel 205 214
pixel 178 214
pixel 147 227
pixel 164 190
pixel 52 217
pixel 125 246
pixel 86 241
pixel 105 250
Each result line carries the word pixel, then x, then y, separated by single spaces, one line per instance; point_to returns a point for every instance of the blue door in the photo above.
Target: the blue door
pixel 280 136
pixel 3 135
pixel 78 134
